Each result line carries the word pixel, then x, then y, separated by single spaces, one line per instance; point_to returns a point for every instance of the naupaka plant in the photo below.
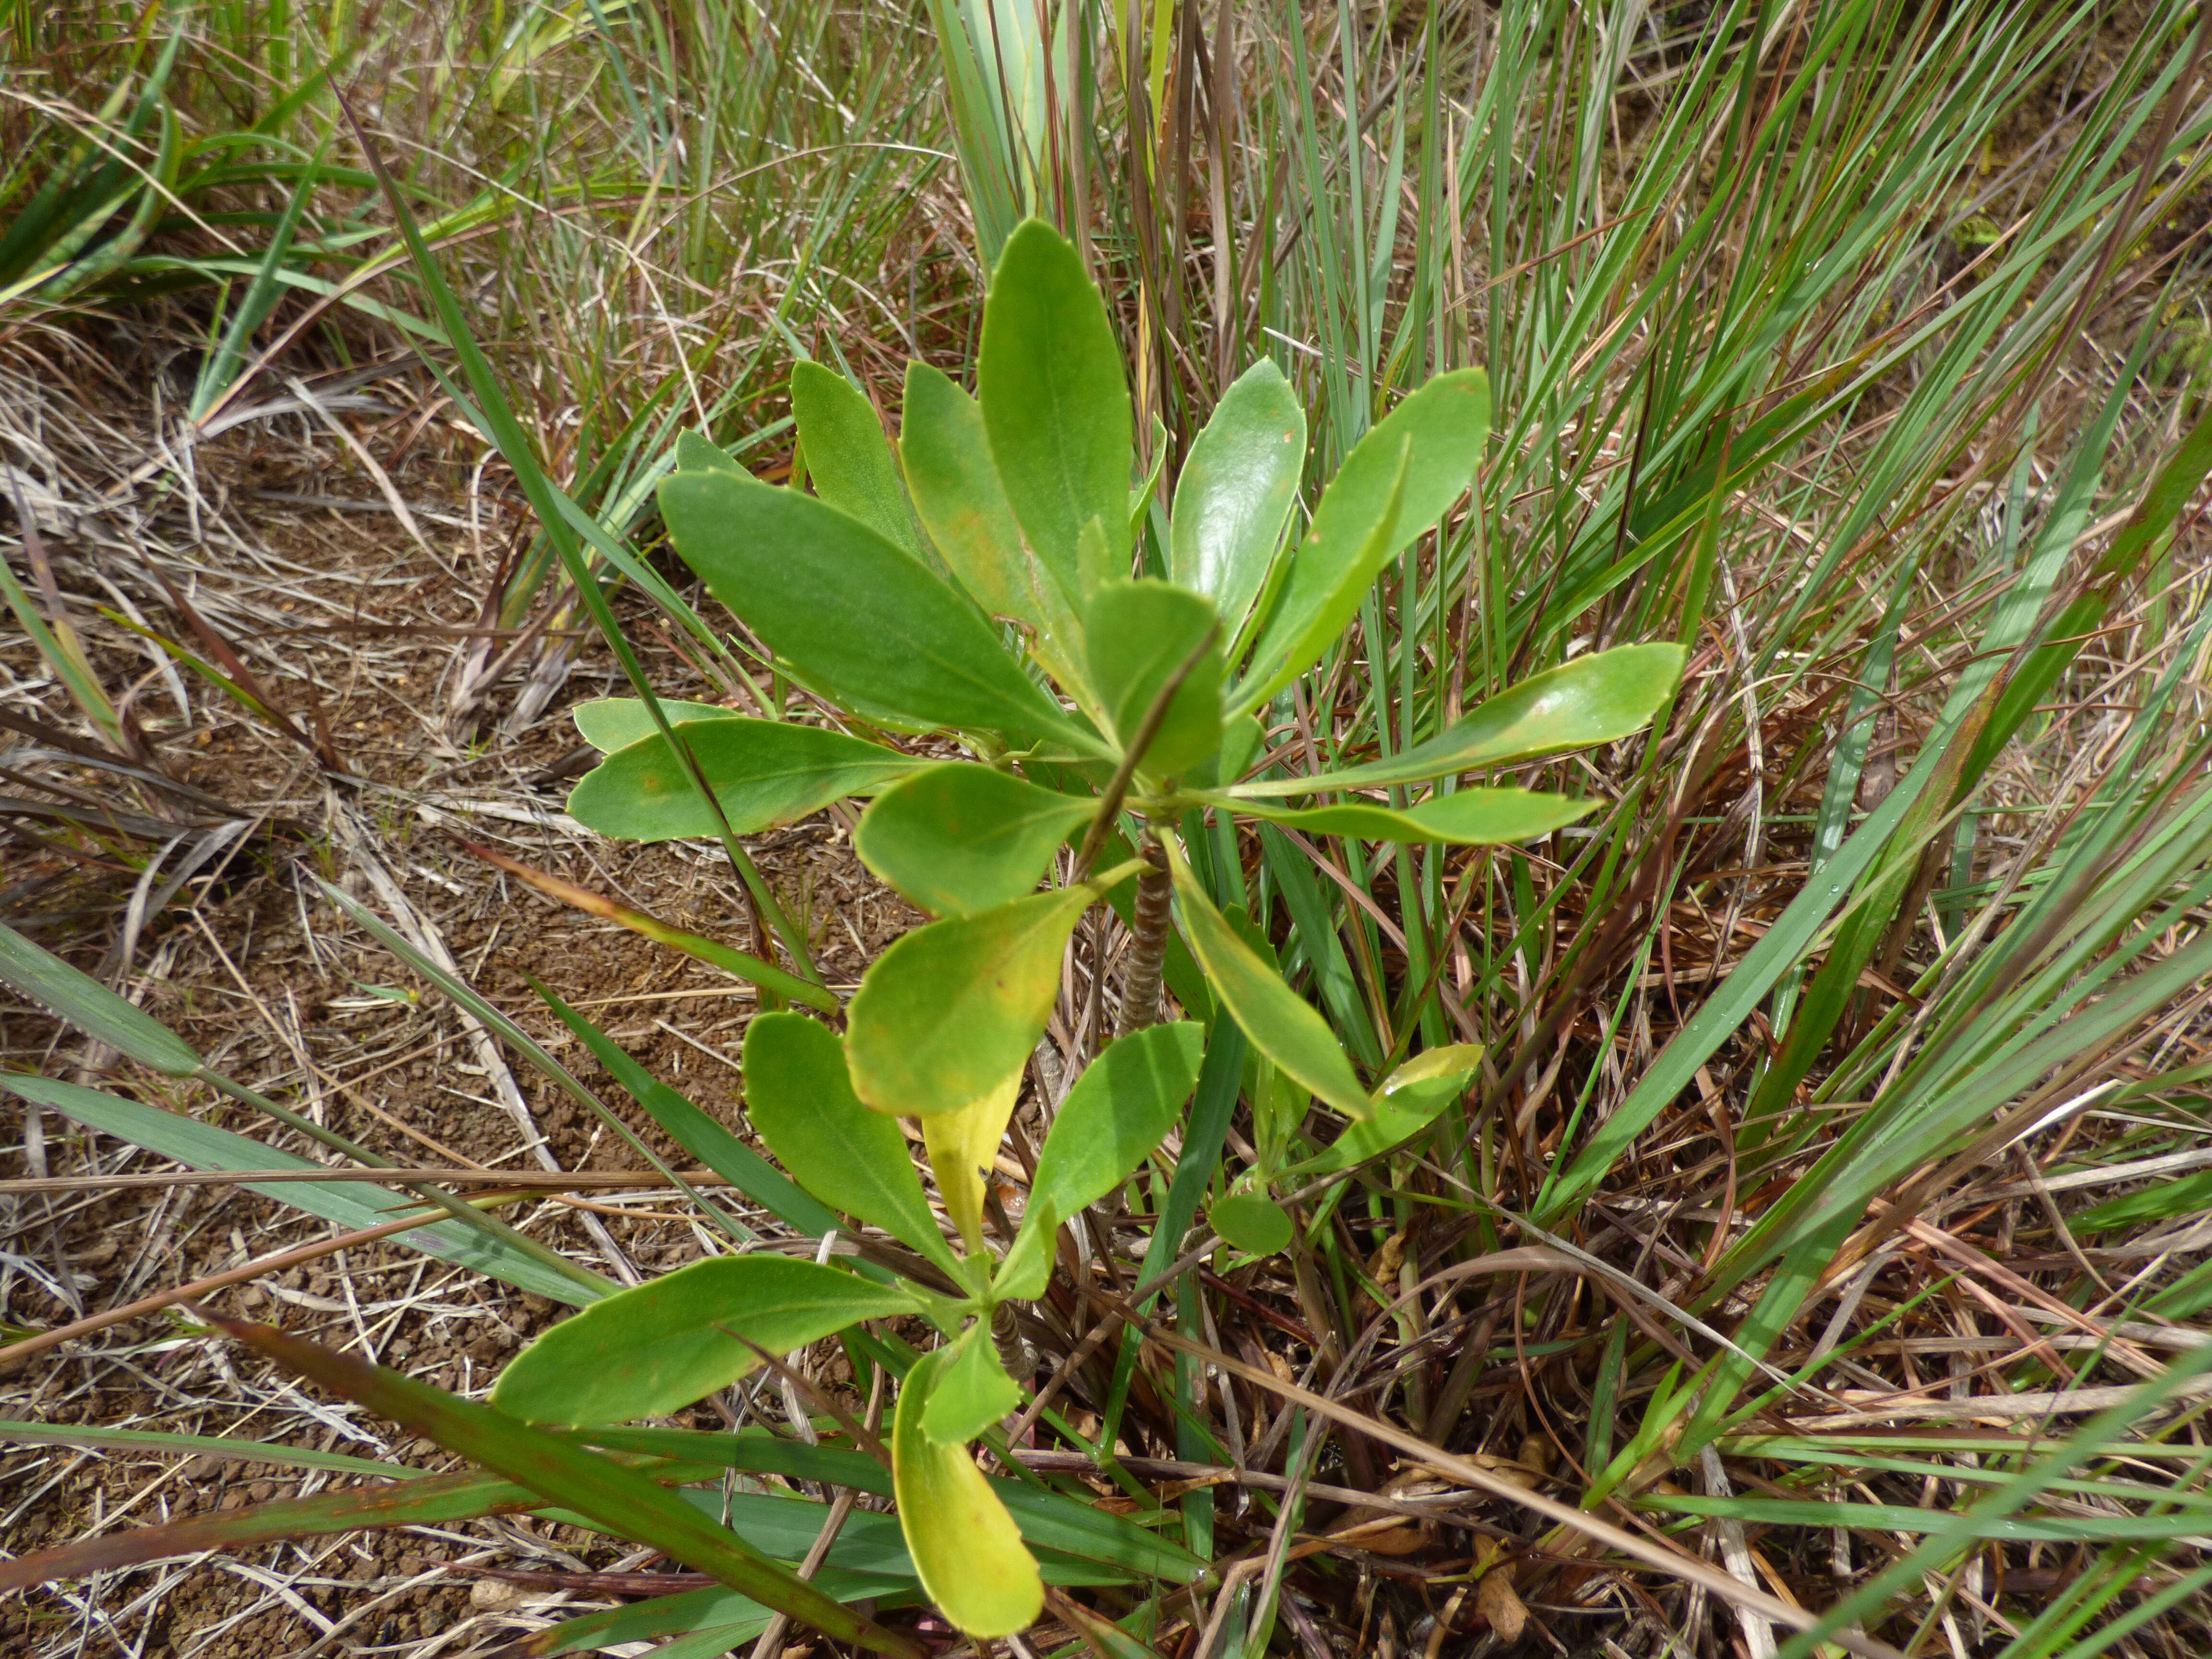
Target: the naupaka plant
pixel 981 582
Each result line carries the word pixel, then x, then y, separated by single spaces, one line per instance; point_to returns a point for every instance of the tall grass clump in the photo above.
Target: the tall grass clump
pixel 1804 1255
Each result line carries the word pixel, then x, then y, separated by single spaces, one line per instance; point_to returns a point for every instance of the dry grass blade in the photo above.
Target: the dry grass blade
pixel 1652 1554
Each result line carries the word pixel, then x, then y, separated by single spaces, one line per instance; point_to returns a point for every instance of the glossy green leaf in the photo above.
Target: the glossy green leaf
pixel 624 1501
pixel 962 504
pixel 1436 438
pixel 953 1009
pixel 1408 1102
pixel 200 1145
pixel 1136 635
pixel 964 1544
pixel 963 838
pixel 1236 492
pixel 1468 818
pixel 655 1349
pixel 763 773
pixel 799 1097
pixel 1254 1222
pixel 1600 698
pixel 848 459
pixel 858 617
pixel 1055 401
pixel 1281 1025
pixel 972 1392
pixel 1120 1107
pixel 612 723
pixel 90 1006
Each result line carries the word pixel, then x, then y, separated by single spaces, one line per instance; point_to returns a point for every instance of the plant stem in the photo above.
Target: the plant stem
pixel 1140 988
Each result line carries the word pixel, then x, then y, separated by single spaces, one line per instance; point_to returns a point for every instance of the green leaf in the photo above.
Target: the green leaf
pixel 696 452
pixel 1406 1104
pixel 724 1612
pixel 655 1349
pixel 612 723
pixel 962 503
pixel 959 496
pixel 1055 401
pixel 763 773
pixel 1049 1521
pixel 863 620
pixel 1136 635
pixel 2184 1197
pixel 1118 1110
pixel 1436 437
pixel 1026 1268
pixel 90 1006
pixel 1253 1222
pixel 800 1099
pixel 1281 1025
pixel 953 1009
pixel 848 459
pixel 1600 698
pixel 1108 1639
pixel 203 1146
pixel 965 1546
pixel 698 1134
pixel 1095 562
pixel 1236 491
pixel 1053 1522
pixel 972 1392
pixel 624 1501
pixel 961 838
pixel 1467 817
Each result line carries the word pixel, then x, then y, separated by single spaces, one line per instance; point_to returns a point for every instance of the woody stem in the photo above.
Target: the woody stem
pixel 1141 985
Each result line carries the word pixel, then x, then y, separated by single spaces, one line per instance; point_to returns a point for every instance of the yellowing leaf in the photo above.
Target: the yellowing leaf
pixel 951 1012
pixel 962 1145
pixel 965 1546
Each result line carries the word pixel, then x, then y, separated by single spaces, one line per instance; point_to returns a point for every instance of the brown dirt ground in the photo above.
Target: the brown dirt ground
pixel 349 624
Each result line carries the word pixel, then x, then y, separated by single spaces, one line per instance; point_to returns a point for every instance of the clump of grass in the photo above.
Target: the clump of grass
pixel 1814 1210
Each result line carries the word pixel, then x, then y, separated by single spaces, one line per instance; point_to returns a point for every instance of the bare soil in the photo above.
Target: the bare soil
pixel 359 637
